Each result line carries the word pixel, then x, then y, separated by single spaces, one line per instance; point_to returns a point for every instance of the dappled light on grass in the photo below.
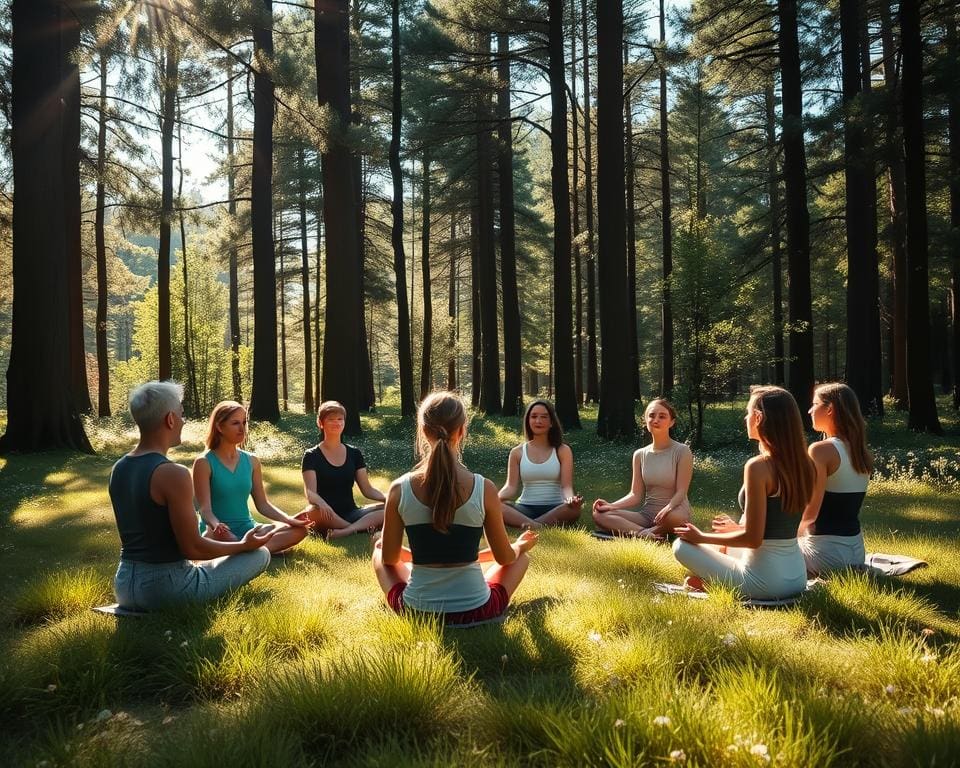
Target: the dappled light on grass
pixel 306 665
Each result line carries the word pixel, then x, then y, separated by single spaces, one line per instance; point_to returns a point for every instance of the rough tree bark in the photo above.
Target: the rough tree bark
pixel 263 396
pixel 615 417
pixel 341 350
pixel 800 368
pixel 41 411
pixel 922 415
pixel 666 214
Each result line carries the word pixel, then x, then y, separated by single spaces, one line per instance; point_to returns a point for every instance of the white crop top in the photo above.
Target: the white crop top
pixel 541 482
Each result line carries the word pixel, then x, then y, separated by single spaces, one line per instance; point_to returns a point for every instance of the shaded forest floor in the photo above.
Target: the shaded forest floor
pixel 592 667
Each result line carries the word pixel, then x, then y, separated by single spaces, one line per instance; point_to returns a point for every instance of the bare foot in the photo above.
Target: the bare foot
pixel 337 533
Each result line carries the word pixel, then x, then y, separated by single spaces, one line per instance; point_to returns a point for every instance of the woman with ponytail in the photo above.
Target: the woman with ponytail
pixel 759 555
pixel 830 535
pixel 444 508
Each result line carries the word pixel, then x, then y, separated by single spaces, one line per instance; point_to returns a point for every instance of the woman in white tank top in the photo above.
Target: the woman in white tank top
pixel 830 534
pixel 544 465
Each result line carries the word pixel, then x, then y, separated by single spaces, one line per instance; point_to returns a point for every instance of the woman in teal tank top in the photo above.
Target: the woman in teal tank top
pixel 225 476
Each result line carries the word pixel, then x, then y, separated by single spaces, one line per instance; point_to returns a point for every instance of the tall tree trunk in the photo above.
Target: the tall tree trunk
pixel 41 411
pixel 103 358
pixel 577 266
pixel 512 364
pixel 896 185
pixel 615 418
pixel 169 77
pixel 234 286
pixel 192 400
pixel 666 224
pixel 800 369
pixel 863 348
pixel 263 397
pixel 282 286
pixel 593 373
pixel 563 379
pixel 426 369
pixel 318 287
pixel 452 307
pixel 923 406
pixel 487 262
pixel 953 106
pixel 631 242
pixel 407 404
pixel 308 406
pixel 367 395
pixel 341 350
pixel 70 92
pixel 776 269
pixel 476 336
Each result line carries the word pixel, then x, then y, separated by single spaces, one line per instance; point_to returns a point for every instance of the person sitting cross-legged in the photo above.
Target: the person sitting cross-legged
pixel 544 466
pixel 152 500
pixel 225 476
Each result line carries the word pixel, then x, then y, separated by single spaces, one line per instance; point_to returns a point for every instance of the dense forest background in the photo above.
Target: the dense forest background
pixel 283 202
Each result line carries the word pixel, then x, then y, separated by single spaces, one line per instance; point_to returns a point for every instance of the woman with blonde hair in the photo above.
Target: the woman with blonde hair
pixel 762 557
pixel 830 535
pixel 657 501
pixel 330 470
pixel 225 476
pixel 444 509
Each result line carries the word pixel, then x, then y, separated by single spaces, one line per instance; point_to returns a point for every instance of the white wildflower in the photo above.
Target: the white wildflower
pixel 593 636
pixel 662 720
pixel 890 688
pixel 678 756
pixel 729 640
pixel 51 688
pixel 618 723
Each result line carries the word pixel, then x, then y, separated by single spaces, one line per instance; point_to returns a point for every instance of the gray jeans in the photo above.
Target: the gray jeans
pixel 148 586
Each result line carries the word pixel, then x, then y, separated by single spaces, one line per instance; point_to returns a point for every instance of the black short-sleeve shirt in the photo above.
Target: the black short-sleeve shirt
pixel 335 484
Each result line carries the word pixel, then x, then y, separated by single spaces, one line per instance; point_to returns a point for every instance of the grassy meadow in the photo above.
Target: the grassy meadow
pixel 305 666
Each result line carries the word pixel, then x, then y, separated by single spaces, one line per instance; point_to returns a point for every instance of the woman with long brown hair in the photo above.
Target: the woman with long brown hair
pixel 762 557
pixel 544 466
pixel 225 476
pixel 830 535
pixel 444 508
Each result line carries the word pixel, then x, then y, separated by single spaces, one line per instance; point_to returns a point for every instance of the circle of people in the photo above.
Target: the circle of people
pixel 800 506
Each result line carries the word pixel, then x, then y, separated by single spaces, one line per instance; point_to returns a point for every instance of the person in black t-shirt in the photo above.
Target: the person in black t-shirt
pixel 330 469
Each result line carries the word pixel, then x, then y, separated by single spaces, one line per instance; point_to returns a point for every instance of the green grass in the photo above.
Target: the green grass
pixel 305 666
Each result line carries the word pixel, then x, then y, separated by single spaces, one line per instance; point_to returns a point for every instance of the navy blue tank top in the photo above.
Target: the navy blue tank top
pixel 146 535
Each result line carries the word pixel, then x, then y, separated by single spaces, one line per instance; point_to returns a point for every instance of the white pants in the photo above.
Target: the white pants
pixel 832 553
pixel 773 570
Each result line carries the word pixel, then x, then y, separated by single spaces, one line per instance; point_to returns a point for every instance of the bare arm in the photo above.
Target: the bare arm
pixel 757 476
pixel 366 488
pixel 392 539
pixel 310 491
pixel 823 454
pixel 500 549
pixel 201 491
pixel 170 486
pixel 512 485
pixel 565 454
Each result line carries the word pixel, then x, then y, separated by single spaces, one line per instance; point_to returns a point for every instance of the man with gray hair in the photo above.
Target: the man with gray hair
pixel 152 500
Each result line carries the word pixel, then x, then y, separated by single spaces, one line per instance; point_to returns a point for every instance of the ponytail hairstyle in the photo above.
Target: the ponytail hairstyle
pixel 781 432
pixel 848 423
pixel 221 412
pixel 555 435
pixel 441 417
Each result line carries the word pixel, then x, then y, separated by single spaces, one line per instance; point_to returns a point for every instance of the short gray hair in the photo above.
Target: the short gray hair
pixel 152 401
